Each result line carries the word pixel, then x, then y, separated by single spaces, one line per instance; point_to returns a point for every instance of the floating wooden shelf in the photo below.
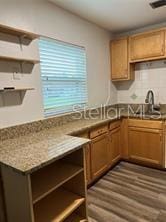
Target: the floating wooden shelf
pixel 22 60
pixel 18 32
pixel 57 206
pixel 55 175
pixel 15 90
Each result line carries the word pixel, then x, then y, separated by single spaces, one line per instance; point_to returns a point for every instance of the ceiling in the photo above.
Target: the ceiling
pixel 115 15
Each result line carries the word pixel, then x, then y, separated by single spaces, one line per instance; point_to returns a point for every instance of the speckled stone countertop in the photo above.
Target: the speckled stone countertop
pixel 31 152
pixel 28 153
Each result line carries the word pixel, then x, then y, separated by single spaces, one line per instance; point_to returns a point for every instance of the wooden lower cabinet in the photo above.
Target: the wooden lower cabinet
pixel 99 155
pixel 2 207
pixel 114 146
pixel 124 139
pixel 146 145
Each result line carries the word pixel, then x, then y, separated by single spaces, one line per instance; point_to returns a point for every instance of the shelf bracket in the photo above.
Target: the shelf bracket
pixel 21 40
pixel 22 67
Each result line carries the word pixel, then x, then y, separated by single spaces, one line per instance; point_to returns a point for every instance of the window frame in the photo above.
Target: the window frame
pixel 69 108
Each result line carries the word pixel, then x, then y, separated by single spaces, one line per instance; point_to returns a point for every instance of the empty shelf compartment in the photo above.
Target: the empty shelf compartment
pixel 57 206
pixel 75 218
pixel 51 177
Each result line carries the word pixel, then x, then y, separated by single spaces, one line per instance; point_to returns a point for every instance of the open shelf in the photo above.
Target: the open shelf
pixel 51 177
pixel 15 90
pixel 18 32
pixel 21 60
pixel 57 206
pixel 75 218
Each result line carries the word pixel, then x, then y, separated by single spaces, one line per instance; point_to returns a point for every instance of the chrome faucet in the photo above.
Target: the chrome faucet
pixel 150 101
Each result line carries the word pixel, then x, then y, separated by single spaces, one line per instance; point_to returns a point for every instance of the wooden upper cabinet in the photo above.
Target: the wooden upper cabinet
pixel 127 51
pixel 147 46
pixel 119 59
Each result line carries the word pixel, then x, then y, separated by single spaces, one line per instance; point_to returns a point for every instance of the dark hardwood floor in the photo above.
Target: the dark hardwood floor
pixel 129 193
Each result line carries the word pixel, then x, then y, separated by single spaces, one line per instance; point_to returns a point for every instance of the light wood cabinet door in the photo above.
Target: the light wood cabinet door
pixel 124 139
pixel 99 155
pixel 114 146
pixel 146 145
pixel 147 46
pixel 119 59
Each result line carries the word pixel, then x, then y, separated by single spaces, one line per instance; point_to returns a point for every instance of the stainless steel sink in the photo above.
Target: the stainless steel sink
pixel 155 112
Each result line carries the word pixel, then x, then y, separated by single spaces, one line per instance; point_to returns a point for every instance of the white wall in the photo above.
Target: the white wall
pixel 46 19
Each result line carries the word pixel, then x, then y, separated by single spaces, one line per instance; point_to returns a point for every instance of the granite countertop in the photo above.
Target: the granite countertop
pixel 31 152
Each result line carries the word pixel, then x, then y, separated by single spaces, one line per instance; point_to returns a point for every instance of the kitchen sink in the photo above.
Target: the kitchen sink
pixel 151 113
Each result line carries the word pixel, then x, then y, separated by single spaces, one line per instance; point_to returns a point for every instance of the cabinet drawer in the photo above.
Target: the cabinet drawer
pixel 98 131
pixel 152 124
pixel 114 125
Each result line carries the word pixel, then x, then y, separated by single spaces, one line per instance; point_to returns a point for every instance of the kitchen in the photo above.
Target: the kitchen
pixel 83 111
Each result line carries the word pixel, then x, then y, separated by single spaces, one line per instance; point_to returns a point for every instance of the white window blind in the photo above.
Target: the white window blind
pixel 64 79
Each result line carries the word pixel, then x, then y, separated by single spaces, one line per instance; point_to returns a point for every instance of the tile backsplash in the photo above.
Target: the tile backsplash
pixel 148 75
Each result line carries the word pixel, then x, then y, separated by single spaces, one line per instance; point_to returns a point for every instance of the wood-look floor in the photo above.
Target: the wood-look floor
pixel 129 193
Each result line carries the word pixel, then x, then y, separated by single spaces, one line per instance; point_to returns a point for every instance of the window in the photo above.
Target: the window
pixel 63 72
